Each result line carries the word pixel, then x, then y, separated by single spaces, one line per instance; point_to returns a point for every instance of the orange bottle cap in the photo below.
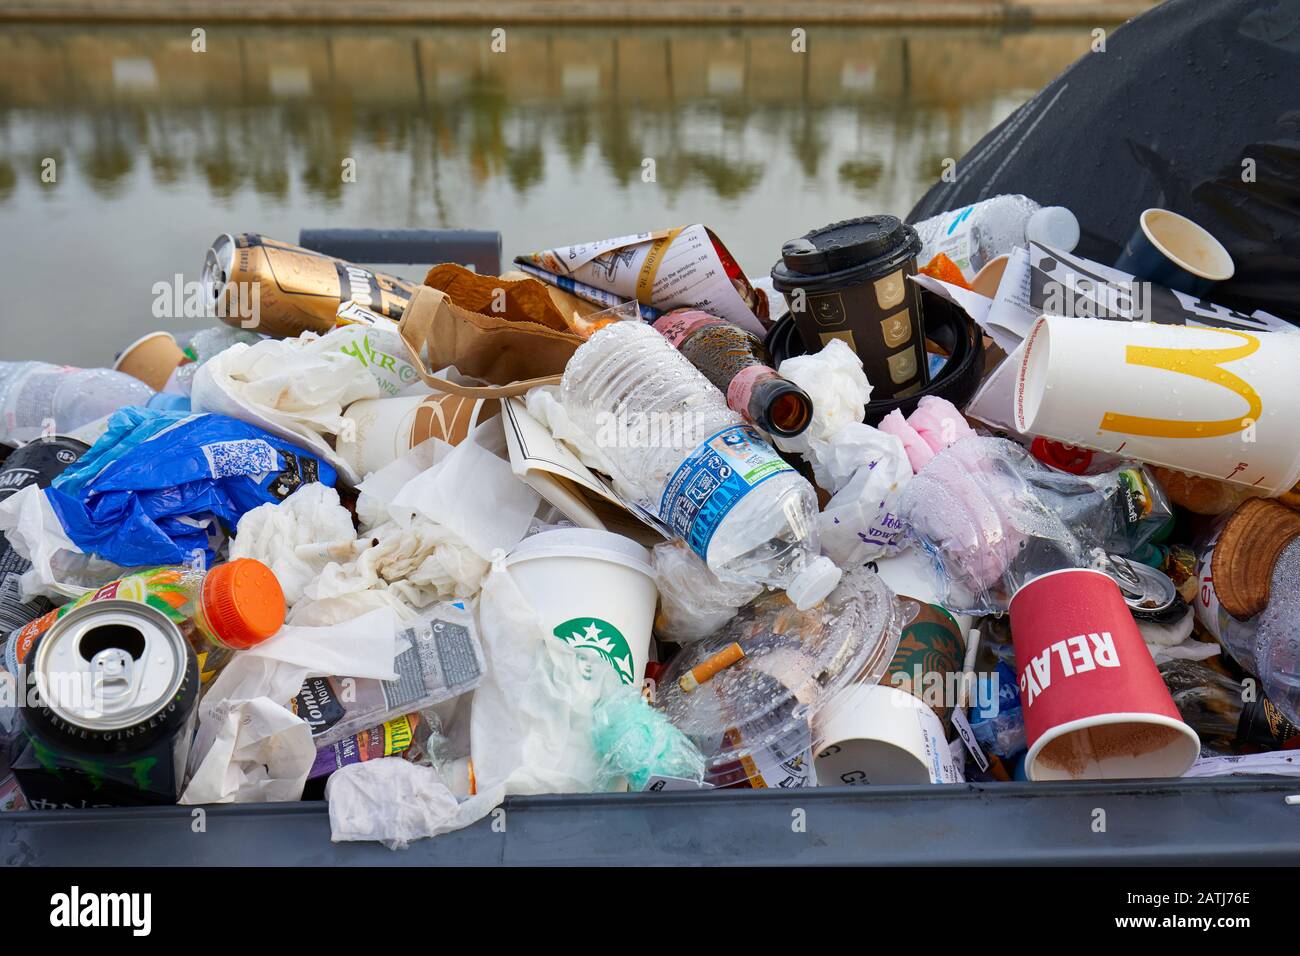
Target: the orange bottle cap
pixel 243 603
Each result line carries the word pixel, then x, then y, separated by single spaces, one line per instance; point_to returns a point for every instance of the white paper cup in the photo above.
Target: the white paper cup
pixel 1215 402
pixel 595 590
pixel 874 734
pixel 378 431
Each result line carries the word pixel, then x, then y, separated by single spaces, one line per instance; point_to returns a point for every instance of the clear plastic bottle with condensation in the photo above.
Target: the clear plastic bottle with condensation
pixel 39 398
pixel 680 453
pixel 973 235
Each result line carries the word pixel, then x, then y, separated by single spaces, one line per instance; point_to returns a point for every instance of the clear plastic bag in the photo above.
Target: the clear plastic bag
pixel 992 517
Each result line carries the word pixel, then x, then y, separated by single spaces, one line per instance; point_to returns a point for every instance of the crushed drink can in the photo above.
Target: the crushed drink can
pixel 283 290
pixel 109 704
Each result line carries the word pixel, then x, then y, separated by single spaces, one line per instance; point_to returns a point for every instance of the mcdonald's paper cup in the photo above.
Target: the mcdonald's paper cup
pixel 1215 402
pixel 151 359
pixel 595 590
pixel 873 734
pixel 1095 706
pixel 378 431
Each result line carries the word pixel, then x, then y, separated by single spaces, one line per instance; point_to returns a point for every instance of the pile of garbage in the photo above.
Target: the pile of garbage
pixel 923 505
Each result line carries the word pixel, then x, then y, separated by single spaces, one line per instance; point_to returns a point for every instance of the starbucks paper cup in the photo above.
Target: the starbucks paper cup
pixel 873 734
pixel 378 431
pixel 151 359
pixel 1215 402
pixel 1095 705
pixel 595 590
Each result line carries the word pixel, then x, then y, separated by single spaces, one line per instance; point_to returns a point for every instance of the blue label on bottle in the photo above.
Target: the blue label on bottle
pixel 707 485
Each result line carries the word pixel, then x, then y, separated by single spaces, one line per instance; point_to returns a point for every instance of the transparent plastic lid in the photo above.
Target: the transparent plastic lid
pixel 763 697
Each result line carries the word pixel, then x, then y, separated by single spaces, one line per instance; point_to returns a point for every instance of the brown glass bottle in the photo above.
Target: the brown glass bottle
pixel 736 362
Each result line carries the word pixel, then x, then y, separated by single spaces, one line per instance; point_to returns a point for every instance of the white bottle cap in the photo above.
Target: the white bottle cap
pixel 1054 226
pixel 813 583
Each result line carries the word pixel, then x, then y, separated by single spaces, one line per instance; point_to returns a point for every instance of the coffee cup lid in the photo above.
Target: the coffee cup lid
pixel 843 245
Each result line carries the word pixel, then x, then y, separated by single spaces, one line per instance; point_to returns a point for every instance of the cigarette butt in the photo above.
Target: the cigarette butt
pixel 698 674
pixel 331 550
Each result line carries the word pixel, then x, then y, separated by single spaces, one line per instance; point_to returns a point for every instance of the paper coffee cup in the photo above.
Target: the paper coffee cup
pixel 1175 252
pixel 378 431
pixel 873 734
pixel 1095 706
pixel 595 590
pixel 151 359
pixel 928 660
pixel 1215 402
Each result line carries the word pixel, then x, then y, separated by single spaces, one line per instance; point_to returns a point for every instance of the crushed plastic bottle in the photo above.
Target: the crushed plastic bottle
pixel 973 235
pixel 38 398
pixel 680 453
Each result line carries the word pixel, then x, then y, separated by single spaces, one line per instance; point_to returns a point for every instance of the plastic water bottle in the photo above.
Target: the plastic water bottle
pixel 38 398
pixel 680 453
pixel 973 235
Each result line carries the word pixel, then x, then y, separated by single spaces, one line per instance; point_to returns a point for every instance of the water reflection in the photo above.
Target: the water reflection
pixel 569 134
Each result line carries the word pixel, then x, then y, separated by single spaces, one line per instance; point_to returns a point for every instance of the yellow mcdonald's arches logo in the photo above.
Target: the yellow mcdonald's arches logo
pixel 1199 363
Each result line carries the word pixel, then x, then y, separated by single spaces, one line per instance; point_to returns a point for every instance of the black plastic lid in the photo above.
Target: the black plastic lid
pixel 843 245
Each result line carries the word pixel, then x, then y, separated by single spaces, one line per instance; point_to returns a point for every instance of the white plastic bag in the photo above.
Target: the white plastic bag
pixel 693 603
pixel 531 722
pixel 60 570
pixel 860 523
pixel 294 388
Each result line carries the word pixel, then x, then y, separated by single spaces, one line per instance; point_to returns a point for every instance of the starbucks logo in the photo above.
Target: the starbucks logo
pixel 591 634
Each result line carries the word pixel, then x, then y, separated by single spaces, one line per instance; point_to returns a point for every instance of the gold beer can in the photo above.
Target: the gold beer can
pixel 283 290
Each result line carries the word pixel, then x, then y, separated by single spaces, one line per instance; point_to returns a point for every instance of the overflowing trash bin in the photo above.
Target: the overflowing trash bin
pixel 917 506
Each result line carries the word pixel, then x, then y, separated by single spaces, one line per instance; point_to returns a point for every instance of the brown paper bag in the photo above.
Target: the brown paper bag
pixel 512 351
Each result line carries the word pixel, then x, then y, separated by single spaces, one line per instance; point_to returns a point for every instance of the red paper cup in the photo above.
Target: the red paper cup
pixel 1094 704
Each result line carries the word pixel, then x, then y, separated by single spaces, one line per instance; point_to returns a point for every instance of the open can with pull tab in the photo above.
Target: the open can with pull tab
pixel 109 701
pixel 1149 593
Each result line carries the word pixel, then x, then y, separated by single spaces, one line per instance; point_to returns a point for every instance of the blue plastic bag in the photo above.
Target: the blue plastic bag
pixel 157 486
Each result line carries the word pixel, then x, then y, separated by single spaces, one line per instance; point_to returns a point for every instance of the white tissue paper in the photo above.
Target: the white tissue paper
pixel 444 523
pixel 297 537
pixel 834 380
pixel 362 647
pixel 251 748
pixel 860 523
pixel 396 802
pixel 294 388
pixel 252 751
pixel 419 566
pixel 474 493
pixel 543 403
pixel 378 490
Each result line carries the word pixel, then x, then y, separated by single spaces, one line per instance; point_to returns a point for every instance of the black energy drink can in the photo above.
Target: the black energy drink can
pixel 109 703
